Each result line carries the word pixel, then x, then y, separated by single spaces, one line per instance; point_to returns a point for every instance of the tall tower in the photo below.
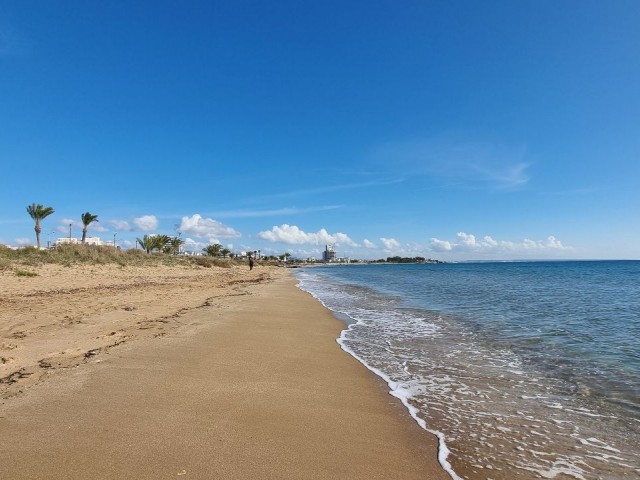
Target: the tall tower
pixel 329 254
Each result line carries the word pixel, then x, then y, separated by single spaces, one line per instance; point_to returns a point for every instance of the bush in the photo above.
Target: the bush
pixel 25 273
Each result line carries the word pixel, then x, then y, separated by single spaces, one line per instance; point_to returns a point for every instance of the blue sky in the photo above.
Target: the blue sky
pixel 453 129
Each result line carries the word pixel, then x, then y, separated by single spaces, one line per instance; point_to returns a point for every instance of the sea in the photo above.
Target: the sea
pixel 523 370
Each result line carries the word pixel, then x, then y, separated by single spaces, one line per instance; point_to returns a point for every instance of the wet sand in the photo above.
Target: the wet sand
pixel 211 373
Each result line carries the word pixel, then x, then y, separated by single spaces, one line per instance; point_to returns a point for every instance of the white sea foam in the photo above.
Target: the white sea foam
pixel 404 395
pixel 594 442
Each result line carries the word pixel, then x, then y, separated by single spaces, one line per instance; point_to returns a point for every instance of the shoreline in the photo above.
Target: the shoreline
pixel 442 450
pixel 252 383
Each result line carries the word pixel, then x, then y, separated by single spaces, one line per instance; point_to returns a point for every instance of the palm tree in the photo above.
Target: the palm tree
pixel 173 245
pixel 162 243
pixel 38 212
pixel 146 243
pixel 87 219
pixel 149 243
pixel 225 252
pixel 213 250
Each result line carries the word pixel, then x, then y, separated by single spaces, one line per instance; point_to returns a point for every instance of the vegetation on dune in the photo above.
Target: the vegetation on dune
pixel 16 259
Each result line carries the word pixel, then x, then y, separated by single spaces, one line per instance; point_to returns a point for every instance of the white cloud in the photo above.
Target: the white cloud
pixel 23 242
pixel 120 225
pixel 65 222
pixel 191 245
pixel 206 228
pixel 468 243
pixel 553 242
pixel 390 243
pixel 343 239
pixel 369 244
pixel 146 223
pixel 97 227
pixel 490 241
pixel 438 245
pixel 63 226
pixel 293 235
pixel 467 239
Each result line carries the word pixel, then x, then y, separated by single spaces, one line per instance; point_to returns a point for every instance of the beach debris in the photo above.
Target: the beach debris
pixel 15 376
pixel 44 363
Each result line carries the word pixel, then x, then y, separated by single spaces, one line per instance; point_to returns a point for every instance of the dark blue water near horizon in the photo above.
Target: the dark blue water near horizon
pixel 555 341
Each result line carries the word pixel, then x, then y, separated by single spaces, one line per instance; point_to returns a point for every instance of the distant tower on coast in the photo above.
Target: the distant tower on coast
pixel 329 254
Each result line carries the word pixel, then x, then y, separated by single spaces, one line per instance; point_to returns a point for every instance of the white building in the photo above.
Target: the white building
pixel 77 241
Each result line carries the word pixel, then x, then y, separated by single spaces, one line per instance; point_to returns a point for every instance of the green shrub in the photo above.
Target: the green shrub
pixel 25 273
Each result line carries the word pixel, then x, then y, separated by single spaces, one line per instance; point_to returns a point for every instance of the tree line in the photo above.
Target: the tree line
pixel 149 243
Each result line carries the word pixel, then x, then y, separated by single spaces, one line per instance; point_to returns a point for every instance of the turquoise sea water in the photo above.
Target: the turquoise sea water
pixel 531 369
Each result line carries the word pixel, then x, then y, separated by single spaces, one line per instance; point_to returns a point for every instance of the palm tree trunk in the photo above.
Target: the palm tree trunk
pixel 84 234
pixel 38 230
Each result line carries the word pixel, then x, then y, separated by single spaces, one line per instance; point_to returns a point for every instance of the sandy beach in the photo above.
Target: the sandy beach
pixel 175 372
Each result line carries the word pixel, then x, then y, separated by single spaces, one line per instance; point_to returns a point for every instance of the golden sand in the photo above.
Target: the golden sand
pixel 170 372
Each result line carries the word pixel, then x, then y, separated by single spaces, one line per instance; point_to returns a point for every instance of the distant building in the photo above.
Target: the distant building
pixel 329 254
pixel 77 241
pixel 67 241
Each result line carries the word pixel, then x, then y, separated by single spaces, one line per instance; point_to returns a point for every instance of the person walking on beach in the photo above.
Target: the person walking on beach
pixel 250 262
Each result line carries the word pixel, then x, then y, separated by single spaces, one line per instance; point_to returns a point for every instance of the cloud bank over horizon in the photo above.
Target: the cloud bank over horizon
pixel 293 235
pixel 465 246
pixel 468 244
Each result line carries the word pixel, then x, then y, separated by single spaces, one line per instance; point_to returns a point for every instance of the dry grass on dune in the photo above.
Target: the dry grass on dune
pixel 69 255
